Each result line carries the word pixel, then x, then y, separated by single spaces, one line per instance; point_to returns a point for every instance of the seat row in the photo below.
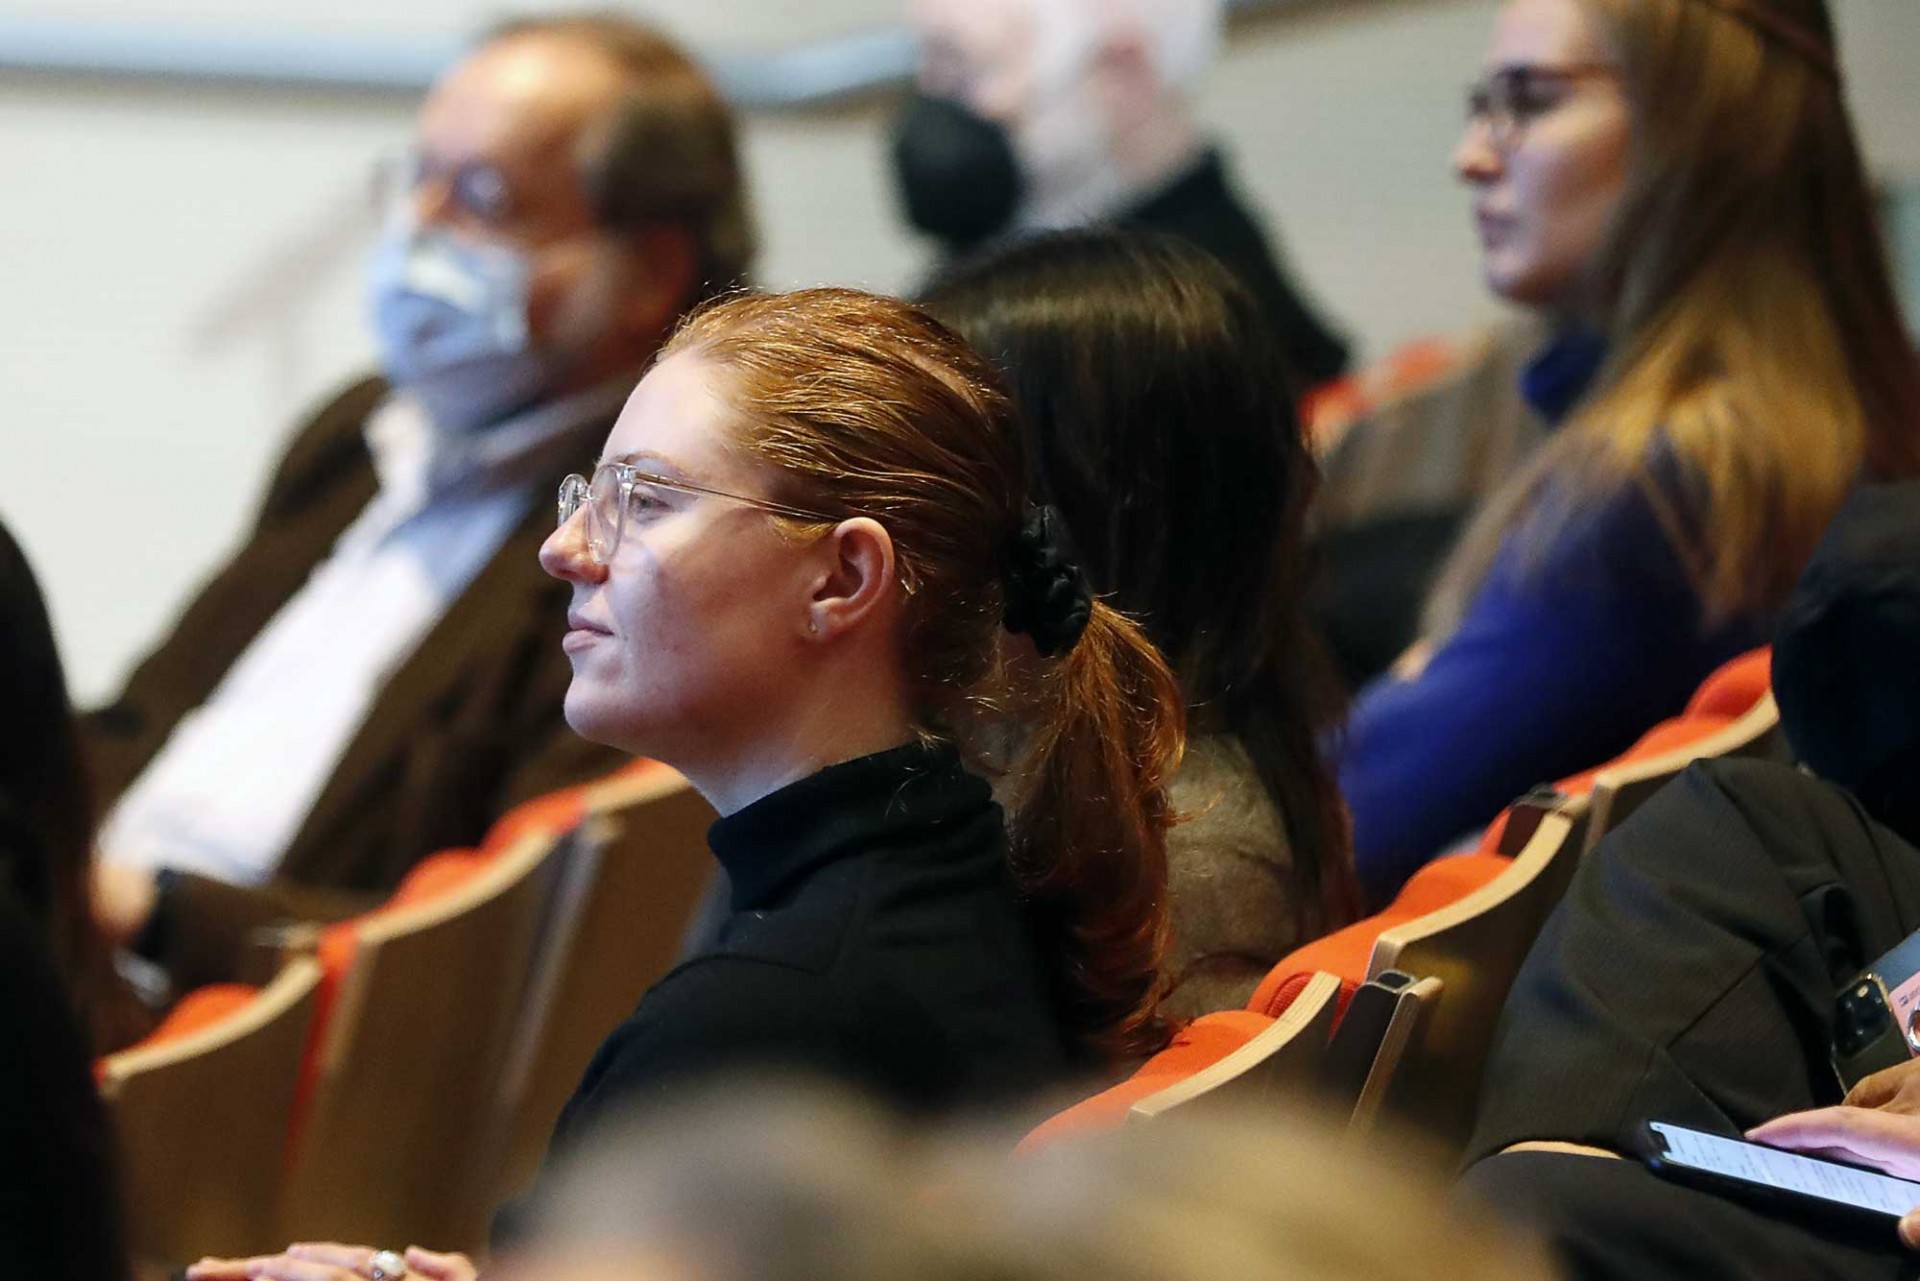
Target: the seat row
pixel 1394 1014
pixel 398 1077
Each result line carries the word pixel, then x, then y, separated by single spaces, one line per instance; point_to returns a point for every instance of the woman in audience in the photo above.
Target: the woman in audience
pixel 1676 185
pixel 1160 425
pixel 807 575
pixel 58 1205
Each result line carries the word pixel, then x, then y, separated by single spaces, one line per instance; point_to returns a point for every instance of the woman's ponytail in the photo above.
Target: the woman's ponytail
pixel 1091 819
pixel 1090 831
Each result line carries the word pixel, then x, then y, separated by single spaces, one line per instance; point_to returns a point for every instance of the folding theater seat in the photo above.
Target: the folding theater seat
pixel 1465 920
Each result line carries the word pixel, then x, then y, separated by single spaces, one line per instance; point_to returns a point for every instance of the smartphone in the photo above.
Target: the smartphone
pixel 1753 1171
pixel 1876 1018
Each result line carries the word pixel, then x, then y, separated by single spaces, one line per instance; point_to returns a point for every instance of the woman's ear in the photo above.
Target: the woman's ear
pixel 857 579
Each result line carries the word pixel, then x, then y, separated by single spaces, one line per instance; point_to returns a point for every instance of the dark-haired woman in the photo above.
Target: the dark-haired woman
pixel 1161 427
pixel 57 1197
pixel 806 574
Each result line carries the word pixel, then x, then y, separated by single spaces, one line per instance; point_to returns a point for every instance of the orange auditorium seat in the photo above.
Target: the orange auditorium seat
pixel 1730 693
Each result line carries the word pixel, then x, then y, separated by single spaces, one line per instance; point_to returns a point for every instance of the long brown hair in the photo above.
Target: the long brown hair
pixel 1161 424
pixel 865 406
pixel 1753 331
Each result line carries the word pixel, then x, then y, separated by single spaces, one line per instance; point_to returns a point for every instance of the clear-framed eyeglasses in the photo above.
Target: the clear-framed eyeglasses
pixel 1513 97
pixel 619 488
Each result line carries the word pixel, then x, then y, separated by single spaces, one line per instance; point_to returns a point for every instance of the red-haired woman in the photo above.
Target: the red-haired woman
pixel 806 574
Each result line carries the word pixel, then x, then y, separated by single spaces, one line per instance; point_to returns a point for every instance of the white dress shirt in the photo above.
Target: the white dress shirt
pixel 230 788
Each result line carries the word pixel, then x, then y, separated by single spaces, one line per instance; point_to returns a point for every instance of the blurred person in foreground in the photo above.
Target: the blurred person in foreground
pixel 376 674
pixel 1676 185
pixel 1159 421
pixel 1034 115
pixel 756 1182
pixel 59 1203
pixel 1690 974
pixel 765 1185
pixel 808 575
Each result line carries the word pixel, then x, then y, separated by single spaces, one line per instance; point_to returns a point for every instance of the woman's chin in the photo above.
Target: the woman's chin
pixel 590 718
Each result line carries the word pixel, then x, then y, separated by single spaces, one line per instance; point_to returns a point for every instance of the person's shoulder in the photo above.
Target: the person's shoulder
pixel 1224 809
pixel 1772 801
pixel 329 446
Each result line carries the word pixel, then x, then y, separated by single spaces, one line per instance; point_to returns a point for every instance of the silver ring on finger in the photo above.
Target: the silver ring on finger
pixel 386 1266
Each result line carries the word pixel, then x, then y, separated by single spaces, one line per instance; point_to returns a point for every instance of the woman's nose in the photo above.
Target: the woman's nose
pixel 1475 159
pixel 565 554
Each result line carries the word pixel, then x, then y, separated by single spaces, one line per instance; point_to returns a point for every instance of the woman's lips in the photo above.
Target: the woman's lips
pixel 1492 226
pixel 580 633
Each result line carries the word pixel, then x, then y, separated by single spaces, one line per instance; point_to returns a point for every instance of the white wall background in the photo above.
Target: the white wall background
pixel 178 270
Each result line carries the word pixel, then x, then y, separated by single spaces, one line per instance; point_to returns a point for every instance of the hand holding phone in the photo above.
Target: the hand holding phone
pixel 1865 1136
pixel 1789 1179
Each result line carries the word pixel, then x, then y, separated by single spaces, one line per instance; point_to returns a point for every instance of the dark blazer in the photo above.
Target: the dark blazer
pixel 468 726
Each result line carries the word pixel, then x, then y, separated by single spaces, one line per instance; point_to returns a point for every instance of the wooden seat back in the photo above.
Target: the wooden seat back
pixel 1474 949
pixel 203 1121
pixel 1281 1062
pixel 1621 788
pixel 392 1147
pixel 627 887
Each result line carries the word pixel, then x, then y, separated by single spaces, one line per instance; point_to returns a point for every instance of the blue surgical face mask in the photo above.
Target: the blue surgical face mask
pixel 450 319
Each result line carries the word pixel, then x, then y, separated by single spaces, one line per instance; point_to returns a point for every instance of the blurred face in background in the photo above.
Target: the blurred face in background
pixel 1546 152
pixel 1015 119
pixel 980 53
pixel 494 286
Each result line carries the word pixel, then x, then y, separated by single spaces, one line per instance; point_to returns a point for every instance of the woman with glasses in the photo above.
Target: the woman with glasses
pixel 806 574
pixel 1676 186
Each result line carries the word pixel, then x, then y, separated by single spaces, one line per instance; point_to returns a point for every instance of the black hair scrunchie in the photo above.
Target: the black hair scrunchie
pixel 1047 595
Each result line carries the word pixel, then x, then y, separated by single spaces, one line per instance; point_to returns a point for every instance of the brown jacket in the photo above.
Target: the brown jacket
pixel 467 727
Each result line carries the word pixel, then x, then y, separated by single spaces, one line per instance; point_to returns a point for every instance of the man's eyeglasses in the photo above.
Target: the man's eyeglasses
pixel 617 488
pixel 476 191
pixel 1510 99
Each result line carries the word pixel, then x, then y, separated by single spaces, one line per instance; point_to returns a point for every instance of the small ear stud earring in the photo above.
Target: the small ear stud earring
pixel 813 626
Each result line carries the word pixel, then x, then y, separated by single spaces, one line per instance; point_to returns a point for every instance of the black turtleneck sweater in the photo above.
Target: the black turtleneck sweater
pixel 876 937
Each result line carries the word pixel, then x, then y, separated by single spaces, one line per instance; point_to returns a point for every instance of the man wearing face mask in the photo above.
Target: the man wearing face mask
pixel 377 673
pixel 1042 114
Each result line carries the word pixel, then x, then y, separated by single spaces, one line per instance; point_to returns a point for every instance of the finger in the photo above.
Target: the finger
pixel 1801 1130
pixel 211 1269
pixel 352 1257
pixel 1887 1140
pixel 1910 1230
pixel 441 1267
pixel 1877 1089
pixel 287 1267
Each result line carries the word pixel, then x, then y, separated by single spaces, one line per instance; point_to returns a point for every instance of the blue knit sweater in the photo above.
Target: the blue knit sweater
pixel 1566 655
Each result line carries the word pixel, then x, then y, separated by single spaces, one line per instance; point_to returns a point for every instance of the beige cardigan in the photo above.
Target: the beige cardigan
pixel 1230 881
